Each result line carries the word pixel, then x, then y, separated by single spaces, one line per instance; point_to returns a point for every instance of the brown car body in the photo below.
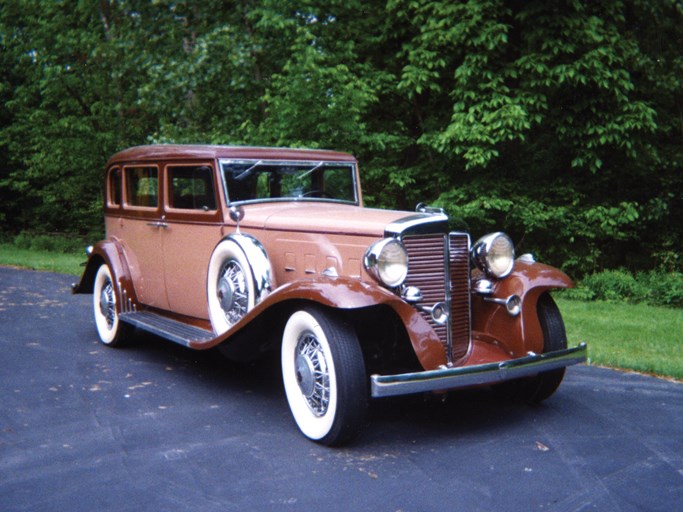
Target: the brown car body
pixel 312 250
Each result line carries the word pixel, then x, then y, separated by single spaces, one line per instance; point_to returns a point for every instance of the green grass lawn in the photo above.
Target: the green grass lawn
pixel 633 337
pixel 40 260
pixel 636 337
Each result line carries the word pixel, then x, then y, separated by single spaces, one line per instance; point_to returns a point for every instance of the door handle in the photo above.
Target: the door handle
pixel 158 224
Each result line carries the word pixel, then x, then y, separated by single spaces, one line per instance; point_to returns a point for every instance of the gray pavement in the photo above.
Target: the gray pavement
pixel 155 426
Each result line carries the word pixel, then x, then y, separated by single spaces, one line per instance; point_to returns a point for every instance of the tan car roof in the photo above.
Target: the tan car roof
pixel 203 152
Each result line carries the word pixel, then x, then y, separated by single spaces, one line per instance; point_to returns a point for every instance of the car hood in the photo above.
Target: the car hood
pixel 321 218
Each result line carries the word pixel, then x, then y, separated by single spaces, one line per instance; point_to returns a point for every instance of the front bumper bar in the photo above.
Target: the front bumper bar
pixel 465 376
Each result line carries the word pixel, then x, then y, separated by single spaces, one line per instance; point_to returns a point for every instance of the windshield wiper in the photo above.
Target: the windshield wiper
pixel 246 173
pixel 315 167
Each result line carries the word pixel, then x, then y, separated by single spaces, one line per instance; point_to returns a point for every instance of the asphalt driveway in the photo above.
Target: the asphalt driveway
pixel 155 426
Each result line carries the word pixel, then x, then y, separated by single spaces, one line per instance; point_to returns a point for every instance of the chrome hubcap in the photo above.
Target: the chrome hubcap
pixel 312 374
pixel 232 292
pixel 108 303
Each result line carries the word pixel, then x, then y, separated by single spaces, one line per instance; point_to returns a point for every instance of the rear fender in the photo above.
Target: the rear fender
pixel 522 333
pixel 109 252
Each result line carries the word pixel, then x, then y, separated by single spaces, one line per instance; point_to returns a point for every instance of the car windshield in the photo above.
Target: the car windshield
pixel 278 181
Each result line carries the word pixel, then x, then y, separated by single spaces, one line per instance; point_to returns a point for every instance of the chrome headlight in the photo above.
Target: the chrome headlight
pixel 387 261
pixel 494 255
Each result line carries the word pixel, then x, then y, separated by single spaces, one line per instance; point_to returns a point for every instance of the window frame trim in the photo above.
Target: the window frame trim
pixel 127 206
pixel 191 214
pixel 317 163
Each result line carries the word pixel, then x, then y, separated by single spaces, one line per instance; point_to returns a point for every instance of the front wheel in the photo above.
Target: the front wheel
pixel 324 376
pixel 534 390
pixel 554 338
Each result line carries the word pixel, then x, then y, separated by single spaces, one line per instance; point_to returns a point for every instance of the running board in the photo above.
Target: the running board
pixel 172 330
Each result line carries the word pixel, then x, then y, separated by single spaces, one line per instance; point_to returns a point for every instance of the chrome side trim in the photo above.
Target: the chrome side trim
pixel 465 376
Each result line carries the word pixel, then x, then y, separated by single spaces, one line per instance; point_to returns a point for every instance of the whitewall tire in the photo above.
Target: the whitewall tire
pixel 324 376
pixel 110 330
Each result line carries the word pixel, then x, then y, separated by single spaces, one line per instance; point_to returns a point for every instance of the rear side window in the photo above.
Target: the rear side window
pixel 191 188
pixel 114 187
pixel 142 186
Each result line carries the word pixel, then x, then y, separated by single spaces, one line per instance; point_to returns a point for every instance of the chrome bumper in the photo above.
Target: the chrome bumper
pixel 490 373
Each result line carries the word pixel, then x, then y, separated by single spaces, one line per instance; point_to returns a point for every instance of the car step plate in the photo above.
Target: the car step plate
pixel 172 330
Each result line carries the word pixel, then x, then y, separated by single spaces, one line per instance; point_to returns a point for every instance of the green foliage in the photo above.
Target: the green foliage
pixel 559 122
pixel 65 113
pixel 53 243
pixel 314 79
pixel 553 222
pixel 655 288
pixel 663 288
pixel 614 285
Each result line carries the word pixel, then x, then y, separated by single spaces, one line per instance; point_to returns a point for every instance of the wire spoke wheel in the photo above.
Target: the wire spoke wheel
pixel 312 374
pixel 229 287
pixel 105 307
pixel 108 303
pixel 324 376
pixel 232 292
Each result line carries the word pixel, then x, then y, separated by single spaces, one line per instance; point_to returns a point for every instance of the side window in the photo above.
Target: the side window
pixel 114 187
pixel 142 186
pixel 191 188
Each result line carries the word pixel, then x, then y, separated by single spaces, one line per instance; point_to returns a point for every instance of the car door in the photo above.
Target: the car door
pixel 141 229
pixel 194 228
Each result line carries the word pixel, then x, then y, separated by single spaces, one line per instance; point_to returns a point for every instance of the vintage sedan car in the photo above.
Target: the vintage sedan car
pixel 249 250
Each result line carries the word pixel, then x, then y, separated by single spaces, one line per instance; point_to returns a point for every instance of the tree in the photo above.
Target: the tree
pixel 557 121
pixel 69 108
pixel 556 128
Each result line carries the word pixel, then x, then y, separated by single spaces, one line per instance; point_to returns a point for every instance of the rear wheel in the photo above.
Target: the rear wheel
pixel 111 331
pixel 324 376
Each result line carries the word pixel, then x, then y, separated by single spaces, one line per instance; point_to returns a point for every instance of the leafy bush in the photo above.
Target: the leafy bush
pixel 615 285
pixel 58 243
pixel 654 288
pixel 664 288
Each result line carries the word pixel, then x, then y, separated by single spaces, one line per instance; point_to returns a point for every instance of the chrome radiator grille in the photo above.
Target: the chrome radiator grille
pixel 439 267
pixel 459 250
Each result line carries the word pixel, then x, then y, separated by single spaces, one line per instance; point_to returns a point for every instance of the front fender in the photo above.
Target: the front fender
pixel 492 323
pixel 348 294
